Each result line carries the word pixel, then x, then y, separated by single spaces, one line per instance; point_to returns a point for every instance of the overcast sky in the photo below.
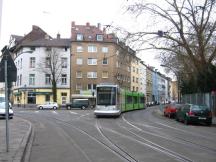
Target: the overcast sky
pixel 55 16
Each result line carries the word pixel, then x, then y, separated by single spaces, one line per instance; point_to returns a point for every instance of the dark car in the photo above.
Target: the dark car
pixel 78 103
pixel 170 109
pixel 190 113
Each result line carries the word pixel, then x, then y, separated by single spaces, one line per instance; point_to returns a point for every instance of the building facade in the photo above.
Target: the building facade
pixel 97 57
pixel 37 56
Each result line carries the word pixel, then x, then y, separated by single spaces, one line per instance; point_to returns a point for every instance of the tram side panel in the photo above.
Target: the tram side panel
pixel 128 101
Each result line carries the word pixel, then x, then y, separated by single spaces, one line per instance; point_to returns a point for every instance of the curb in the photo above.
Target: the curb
pixel 20 154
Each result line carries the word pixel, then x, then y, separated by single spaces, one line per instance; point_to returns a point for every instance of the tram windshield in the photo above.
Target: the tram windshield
pixel 106 95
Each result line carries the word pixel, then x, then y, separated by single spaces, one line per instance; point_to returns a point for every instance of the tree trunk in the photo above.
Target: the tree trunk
pixel 54 91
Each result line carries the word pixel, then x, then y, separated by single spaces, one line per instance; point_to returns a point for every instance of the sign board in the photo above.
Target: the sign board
pixel 11 67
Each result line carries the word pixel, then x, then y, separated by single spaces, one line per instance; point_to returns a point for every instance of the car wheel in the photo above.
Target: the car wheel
pixel 68 107
pixel 54 107
pixel 209 123
pixel 40 107
pixel 83 107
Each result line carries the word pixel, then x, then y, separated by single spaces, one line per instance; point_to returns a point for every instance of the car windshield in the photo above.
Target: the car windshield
pixel 199 107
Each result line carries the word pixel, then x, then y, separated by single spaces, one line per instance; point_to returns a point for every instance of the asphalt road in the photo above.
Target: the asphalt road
pixel 137 136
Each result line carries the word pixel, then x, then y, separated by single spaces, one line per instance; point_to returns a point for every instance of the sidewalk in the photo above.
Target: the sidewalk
pixel 19 135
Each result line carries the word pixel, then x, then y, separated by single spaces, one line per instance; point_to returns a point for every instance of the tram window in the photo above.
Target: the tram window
pixel 129 99
pixel 135 99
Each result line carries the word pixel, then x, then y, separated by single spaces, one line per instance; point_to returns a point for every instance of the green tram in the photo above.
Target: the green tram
pixel 112 100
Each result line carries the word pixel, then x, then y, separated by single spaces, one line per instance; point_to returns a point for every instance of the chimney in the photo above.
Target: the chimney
pixel 58 36
pixel 34 27
pixel 99 25
pixel 73 24
pixel 88 24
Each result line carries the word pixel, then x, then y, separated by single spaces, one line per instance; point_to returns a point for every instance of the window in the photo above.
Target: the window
pixel 92 61
pixel 31 79
pixel 105 49
pixel 64 98
pixel 79 49
pixel 79 61
pixel 105 74
pixel 129 69
pixel 78 74
pixel 92 48
pixel 20 79
pixel 64 79
pixel 32 48
pixel 92 75
pixel 134 69
pixel 47 98
pixel 32 62
pixel 64 62
pixel 117 64
pixel 48 62
pixel 92 86
pixel 137 80
pixel 133 79
pixel 78 86
pixel 79 37
pixel 21 63
pixel 105 61
pixel 137 70
pixel 47 79
pixel 99 37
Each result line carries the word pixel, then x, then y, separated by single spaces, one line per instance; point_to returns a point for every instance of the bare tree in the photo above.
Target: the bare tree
pixel 187 42
pixel 52 65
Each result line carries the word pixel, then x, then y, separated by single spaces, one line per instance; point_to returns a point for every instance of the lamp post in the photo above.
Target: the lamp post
pixel 177 79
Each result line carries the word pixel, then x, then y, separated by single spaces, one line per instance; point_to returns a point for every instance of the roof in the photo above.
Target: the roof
pixel 48 43
pixel 90 33
pixel 39 38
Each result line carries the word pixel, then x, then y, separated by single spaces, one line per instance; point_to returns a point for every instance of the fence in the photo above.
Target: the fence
pixel 208 99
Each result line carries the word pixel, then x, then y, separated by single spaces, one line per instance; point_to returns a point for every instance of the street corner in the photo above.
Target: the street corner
pixel 20 131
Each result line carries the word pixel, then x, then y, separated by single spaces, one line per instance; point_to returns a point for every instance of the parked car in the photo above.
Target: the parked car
pixel 3 111
pixel 170 109
pixel 78 103
pixel 48 105
pixel 190 113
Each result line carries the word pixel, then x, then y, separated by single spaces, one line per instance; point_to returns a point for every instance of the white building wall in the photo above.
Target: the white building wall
pixel 39 53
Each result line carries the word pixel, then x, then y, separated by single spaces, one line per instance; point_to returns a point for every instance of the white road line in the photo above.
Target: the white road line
pixel 73 112
pixel 54 112
pixel 37 111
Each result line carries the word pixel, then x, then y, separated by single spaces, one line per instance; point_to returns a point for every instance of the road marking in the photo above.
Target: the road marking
pixel 73 112
pixel 54 112
pixel 37 111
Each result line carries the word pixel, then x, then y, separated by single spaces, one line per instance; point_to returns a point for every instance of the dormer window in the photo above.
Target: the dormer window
pixel 99 37
pixel 79 37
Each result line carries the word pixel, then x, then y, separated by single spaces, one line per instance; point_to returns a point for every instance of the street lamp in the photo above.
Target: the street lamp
pixel 177 79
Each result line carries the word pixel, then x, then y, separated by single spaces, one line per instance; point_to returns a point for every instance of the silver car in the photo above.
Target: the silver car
pixel 48 105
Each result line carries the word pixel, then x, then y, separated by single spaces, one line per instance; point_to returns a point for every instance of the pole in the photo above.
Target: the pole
pixel 6 107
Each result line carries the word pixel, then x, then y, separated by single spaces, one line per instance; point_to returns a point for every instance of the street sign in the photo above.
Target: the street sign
pixel 11 67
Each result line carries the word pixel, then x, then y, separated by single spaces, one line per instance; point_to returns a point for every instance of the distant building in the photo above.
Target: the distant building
pixel 32 54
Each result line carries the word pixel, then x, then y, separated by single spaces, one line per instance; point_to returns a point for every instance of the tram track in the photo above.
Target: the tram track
pixel 172 138
pixel 151 145
pixel 110 146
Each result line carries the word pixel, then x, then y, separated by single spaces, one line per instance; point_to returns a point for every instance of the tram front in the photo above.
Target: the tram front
pixel 106 101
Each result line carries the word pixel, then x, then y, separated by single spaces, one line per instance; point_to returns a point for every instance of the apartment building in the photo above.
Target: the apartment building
pixel 135 74
pixel 35 54
pixel 142 77
pixel 98 57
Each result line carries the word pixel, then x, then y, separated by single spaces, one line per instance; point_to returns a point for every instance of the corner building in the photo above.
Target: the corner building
pixel 98 57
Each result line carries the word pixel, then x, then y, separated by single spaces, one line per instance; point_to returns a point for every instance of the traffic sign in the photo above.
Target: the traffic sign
pixel 11 67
